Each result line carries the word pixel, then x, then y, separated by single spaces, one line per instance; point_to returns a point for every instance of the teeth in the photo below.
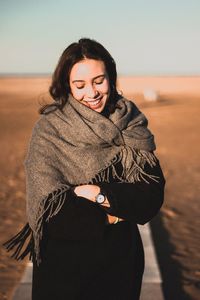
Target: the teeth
pixel 94 102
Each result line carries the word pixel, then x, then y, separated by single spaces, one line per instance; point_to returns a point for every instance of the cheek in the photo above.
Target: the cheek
pixel 77 94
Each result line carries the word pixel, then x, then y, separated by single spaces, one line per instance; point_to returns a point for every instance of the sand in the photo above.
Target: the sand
pixel 175 122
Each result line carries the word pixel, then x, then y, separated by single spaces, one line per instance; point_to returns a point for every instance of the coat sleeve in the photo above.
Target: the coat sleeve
pixel 79 219
pixel 137 202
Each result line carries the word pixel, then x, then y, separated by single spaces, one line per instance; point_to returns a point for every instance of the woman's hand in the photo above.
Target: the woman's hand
pixel 112 219
pixel 88 191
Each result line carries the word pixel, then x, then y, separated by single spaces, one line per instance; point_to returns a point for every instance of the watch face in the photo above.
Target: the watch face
pixel 100 198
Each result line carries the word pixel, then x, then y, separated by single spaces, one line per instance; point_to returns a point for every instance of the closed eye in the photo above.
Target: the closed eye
pixel 79 86
pixel 99 80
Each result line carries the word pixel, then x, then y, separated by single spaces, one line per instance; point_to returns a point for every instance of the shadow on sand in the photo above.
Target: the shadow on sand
pixel 169 268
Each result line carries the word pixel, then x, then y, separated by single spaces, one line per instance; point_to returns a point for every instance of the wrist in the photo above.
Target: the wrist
pixel 101 198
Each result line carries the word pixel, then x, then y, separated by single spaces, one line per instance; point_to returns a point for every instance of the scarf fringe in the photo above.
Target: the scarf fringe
pixel 49 207
pixel 17 243
pixel 52 204
pixel 131 172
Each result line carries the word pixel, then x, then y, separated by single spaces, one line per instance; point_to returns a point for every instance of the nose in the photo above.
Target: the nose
pixel 91 92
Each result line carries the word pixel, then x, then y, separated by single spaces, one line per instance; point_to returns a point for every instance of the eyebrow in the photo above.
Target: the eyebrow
pixel 98 76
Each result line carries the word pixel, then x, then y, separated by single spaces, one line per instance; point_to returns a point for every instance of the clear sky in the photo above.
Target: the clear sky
pixel 145 37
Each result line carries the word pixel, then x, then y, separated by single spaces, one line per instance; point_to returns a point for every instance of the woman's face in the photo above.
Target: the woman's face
pixel 89 83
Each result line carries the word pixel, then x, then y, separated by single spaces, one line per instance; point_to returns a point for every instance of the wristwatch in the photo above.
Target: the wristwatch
pixel 100 198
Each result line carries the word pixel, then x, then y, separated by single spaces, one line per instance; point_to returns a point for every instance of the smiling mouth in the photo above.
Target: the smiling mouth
pixel 94 103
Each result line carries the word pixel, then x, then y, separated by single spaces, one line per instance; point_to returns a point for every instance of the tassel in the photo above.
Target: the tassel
pixel 133 164
pixel 50 207
pixel 17 243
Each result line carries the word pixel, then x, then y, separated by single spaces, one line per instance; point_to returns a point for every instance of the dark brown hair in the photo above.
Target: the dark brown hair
pixel 84 48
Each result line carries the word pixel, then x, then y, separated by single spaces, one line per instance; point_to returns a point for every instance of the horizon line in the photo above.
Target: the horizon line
pixel 48 74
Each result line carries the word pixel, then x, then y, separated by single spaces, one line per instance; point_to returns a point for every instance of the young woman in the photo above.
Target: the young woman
pixel 92 177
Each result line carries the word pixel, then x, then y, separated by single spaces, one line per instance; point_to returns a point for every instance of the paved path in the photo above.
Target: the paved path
pixel 151 287
pixel 152 282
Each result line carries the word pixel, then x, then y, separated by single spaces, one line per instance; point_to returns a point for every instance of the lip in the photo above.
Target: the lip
pixel 96 99
pixel 94 104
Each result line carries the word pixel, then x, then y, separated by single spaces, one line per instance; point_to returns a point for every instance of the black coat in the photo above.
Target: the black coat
pixel 85 258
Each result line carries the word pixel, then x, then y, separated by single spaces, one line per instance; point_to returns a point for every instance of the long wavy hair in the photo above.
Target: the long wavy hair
pixel 84 48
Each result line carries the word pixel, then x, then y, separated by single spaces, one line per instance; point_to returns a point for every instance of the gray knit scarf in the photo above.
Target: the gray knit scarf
pixel 73 146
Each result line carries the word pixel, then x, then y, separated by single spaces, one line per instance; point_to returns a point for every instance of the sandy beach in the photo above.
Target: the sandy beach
pixel 173 118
